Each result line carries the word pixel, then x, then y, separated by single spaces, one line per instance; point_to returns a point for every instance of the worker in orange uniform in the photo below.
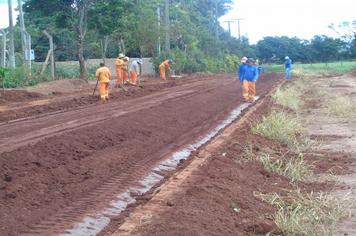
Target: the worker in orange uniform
pixel 103 75
pixel 135 70
pixel 249 78
pixel 119 64
pixel 163 67
pixel 125 70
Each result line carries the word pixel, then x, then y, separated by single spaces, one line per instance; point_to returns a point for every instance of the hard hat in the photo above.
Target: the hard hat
pixel 243 59
pixel 286 58
pixel 121 55
pixel 126 58
pixel 140 61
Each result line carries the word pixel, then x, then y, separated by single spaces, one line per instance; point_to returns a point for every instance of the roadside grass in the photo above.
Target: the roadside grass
pixel 291 166
pixel 315 69
pixel 308 213
pixel 283 127
pixel 289 98
pixel 342 106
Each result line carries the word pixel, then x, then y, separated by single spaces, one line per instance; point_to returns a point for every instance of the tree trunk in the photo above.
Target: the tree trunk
pixel 81 31
pixel 83 68
pixel 104 47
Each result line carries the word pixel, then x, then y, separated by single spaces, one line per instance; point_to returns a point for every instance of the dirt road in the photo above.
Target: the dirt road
pixel 59 166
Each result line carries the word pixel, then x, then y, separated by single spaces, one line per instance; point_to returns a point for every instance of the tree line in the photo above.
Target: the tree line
pixel 185 30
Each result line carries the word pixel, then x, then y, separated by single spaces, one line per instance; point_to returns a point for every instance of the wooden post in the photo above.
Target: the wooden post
pixel 52 52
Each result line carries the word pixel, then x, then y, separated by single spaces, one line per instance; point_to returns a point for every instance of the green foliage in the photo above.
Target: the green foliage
pixel 196 61
pixel 319 49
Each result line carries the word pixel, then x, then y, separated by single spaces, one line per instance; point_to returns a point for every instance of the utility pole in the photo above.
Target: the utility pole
pixel 3 49
pixel 11 32
pixel 23 29
pixel 238 25
pixel 168 39
pixel 216 21
pixel 159 30
pixel 229 25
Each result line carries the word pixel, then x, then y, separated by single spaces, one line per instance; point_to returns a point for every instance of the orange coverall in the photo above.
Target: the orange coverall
pixel 134 72
pixel 162 69
pixel 125 72
pixel 104 76
pixel 119 64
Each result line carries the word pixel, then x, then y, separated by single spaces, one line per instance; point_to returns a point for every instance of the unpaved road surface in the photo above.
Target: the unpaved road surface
pixel 57 167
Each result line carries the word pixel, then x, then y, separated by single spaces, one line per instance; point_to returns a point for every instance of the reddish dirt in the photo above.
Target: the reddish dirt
pixel 18 96
pixel 52 166
pixel 21 104
pixel 205 205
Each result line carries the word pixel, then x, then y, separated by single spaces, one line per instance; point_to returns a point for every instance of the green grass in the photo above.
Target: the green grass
pixel 312 214
pixel 294 168
pixel 285 164
pixel 18 77
pixel 315 69
pixel 289 97
pixel 283 127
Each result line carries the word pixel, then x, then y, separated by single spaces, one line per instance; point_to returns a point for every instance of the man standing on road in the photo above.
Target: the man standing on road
pixel 288 67
pixel 249 78
pixel 242 68
pixel 119 64
pixel 163 67
pixel 103 75
pixel 134 70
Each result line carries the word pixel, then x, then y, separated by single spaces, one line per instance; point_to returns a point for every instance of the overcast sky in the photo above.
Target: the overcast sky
pixel 301 18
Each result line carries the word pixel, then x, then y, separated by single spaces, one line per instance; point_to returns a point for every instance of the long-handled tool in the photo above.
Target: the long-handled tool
pixel 96 86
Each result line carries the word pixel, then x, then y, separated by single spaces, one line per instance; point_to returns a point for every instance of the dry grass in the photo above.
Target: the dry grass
pixel 343 107
pixel 308 213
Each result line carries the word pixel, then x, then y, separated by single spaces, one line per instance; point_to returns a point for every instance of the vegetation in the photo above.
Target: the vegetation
pixel 314 214
pixel 342 106
pixel 294 168
pixel 289 97
pixel 283 127
pixel 316 69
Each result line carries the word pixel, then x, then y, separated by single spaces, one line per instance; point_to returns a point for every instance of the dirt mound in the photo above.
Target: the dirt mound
pixel 18 96
pixel 60 86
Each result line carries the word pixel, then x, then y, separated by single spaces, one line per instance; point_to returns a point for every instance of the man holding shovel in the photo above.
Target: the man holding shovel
pixel 163 67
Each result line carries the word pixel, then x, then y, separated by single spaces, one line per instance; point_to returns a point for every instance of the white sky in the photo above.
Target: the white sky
pixel 301 18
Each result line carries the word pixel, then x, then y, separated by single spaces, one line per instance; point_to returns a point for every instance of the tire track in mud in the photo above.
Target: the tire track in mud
pixel 14 136
pixel 78 175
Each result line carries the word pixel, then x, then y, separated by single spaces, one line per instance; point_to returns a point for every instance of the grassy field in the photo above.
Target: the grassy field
pixel 332 68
